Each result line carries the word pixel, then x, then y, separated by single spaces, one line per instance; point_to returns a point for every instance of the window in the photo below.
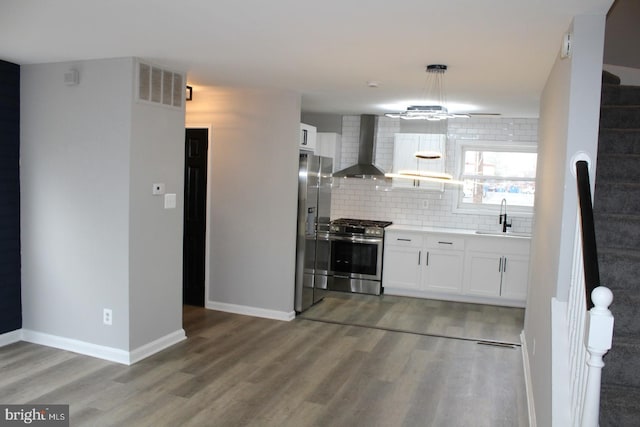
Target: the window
pixel 492 172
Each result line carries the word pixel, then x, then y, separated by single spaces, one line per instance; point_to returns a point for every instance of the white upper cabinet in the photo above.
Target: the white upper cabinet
pixel 307 137
pixel 405 147
pixel 329 144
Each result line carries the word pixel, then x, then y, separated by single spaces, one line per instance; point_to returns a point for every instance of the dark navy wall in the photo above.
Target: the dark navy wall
pixel 10 302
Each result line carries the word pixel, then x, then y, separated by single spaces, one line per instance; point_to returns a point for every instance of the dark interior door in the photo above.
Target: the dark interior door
pixel 195 210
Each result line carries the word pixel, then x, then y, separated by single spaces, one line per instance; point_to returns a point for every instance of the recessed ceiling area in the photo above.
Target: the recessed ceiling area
pixel 499 52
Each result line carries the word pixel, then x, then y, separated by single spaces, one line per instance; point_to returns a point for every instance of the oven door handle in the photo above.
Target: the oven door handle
pixel 356 239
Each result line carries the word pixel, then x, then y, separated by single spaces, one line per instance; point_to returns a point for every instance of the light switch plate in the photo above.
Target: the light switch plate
pixel 158 189
pixel 170 201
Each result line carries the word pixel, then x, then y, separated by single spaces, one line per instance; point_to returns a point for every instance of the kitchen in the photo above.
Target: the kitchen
pixel 411 210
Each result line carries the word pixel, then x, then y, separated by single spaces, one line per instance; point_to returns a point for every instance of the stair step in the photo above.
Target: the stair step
pixel 619 269
pixel 626 311
pixel 620 95
pixel 617 231
pixel 618 168
pixel 620 117
pixel 609 78
pixel 621 141
pixel 619 406
pixel 623 198
pixel 621 366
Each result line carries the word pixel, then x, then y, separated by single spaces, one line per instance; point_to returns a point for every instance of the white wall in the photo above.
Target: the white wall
pixel 377 200
pixel 93 236
pixel 253 196
pixel 569 118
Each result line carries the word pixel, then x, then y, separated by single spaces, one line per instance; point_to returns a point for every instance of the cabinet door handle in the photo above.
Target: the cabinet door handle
pixel 504 265
pixel 304 137
pixel 427 264
pixel 445 243
pixel 419 256
pixel 403 240
pixel 500 265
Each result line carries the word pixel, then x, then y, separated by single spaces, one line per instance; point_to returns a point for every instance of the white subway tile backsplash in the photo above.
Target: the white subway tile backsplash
pixel 377 200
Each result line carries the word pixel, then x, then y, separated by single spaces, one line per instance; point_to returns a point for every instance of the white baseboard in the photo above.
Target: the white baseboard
pixel 10 337
pixel 156 346
pixel 103 352
pixel 527 380
pixel 76 346
pixel 251 311
pixel 560 365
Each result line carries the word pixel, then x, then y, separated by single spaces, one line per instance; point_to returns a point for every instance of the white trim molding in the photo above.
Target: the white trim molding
pixel 156 346
pixel 527 381
pixel 251 311
pixel 10 337
pixel 103 352
pixel 100 351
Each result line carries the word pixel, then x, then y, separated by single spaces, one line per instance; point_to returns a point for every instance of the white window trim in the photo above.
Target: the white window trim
pixel 489 210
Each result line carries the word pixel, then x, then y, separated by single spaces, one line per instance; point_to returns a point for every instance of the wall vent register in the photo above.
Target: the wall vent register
pixel 159 86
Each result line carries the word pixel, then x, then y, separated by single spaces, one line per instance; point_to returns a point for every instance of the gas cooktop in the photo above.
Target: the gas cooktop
pixel 361 222
pixel 359 226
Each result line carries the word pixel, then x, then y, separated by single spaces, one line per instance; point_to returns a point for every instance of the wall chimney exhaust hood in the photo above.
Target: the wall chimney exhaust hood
pixel 366 150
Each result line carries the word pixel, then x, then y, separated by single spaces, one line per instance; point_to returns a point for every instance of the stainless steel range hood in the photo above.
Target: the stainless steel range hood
pixel 366 150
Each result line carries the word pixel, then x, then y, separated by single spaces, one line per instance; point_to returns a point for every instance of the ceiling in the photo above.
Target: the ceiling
pixel 499 52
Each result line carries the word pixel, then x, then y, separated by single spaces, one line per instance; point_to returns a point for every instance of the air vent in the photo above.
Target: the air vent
pixel 160 86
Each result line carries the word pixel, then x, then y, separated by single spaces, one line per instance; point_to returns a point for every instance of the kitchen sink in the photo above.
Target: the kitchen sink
pixel 507 234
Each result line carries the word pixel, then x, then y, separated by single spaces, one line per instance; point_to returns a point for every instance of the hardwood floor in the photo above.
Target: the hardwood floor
pixel 237 370
pixel 422 316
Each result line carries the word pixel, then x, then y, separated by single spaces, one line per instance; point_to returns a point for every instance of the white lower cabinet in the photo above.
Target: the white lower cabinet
pixel 402 267
pixel 443 264
pixel 498 268
pixel 413 262
pixel 456 267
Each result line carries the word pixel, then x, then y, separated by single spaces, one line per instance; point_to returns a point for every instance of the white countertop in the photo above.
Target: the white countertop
pixel 459 231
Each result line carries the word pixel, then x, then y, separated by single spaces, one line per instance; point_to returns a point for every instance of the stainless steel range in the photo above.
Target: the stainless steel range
pixel 355 248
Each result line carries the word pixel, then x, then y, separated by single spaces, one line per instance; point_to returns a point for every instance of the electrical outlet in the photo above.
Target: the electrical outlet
pixel 425 204
pixel 107 316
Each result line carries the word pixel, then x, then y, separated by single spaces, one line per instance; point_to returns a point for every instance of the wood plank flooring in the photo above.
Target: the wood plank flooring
pixel 237 370
pixel 422 316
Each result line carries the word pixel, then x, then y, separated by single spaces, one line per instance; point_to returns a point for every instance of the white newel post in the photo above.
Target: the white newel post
pixel 598 335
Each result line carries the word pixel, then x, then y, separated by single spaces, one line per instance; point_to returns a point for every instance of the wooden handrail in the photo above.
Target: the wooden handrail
pixel 589 250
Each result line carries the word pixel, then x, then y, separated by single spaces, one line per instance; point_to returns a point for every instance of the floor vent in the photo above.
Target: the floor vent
pixel 160 86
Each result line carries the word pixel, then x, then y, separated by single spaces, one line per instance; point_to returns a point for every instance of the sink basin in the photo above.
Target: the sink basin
pixel 507 234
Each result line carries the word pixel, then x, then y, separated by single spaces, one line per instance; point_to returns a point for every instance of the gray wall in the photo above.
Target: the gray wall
pixel 253 194
pixel 569 116
pixel 93 237
pixel 155 238
pixel 323 122
pixel 622 34
pixel 75 200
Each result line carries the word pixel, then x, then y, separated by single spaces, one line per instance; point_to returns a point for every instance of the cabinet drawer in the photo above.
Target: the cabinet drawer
pixel 403 239
pixel 503 245
pixel 445 242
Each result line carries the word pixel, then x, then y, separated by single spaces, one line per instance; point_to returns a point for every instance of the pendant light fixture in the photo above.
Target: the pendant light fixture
pixel 435 104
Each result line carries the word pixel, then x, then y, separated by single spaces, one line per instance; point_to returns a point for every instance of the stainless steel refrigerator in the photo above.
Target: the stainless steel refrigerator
pixel 314 210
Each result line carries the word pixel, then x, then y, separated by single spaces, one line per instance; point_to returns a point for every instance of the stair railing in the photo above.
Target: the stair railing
pixel 590 321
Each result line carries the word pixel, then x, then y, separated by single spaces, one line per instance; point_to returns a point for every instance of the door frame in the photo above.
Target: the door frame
pixel 207 232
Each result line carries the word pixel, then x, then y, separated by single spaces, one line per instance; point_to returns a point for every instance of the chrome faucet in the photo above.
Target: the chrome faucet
pixel 503 216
